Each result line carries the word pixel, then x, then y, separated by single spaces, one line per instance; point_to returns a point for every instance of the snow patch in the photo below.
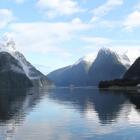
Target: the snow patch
pixel 87 59
pixel 7 44
pixel 17 69
pixel 90 58
pixel 123 59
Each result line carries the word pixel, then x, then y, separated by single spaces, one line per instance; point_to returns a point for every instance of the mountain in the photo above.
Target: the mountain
pixel 37 78
pixel 108 65
pixel 12 73
pixel 7 44
pixel 131 78
pixel 76 74
pixel 29 69
pixel 133 72
pixel 88 71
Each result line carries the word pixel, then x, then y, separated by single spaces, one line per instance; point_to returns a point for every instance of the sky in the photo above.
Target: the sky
pixel 55 33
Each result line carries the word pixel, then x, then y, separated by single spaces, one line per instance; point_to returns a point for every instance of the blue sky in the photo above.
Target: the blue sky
pixel 55 33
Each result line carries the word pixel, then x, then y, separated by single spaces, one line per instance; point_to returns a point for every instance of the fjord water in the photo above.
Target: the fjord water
pixel 69 114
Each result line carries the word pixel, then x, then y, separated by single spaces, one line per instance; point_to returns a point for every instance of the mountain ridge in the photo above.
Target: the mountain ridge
pixel 81 72
pixel 130 79
pixel 133 73
pixel 11 73
pixel 7 44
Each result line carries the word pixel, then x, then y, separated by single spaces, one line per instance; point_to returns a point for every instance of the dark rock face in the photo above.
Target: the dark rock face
pixel 37 78
pixel 133 72
pixel 7 44
pixel 9 63
pixel 106 66
pixel 11 73
pixel 14 80
pixel 32 73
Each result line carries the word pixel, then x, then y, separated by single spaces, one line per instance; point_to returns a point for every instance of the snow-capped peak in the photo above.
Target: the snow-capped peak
pixel 90 58
pixel 87 59
pixel 7 43
pixel 106 51
pixel 121 57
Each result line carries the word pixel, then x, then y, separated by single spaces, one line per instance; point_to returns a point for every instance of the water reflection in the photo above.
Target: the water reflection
pixel 14 105
pixel 134 98
pixel 107 105
pixel 78 114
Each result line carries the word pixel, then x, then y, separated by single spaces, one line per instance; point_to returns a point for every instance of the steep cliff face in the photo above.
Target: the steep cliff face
pixel 107 66
pixel 133 72
pixel 12 73
pixel 7 44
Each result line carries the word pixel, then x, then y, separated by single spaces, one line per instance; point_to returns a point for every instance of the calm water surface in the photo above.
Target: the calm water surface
pixel 64 114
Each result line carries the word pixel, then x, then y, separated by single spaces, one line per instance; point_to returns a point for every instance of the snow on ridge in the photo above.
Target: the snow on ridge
pixel 131 53
pixel 17 69
pixel 7 44
pixel 90 58
pixel 106 51
pixel 25 65
pixel 123 58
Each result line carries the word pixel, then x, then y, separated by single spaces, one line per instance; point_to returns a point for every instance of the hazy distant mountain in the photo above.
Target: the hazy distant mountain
pixel 76 74
pixel 8 45
pixel 133 72
pixel 12 73
pixel 88 72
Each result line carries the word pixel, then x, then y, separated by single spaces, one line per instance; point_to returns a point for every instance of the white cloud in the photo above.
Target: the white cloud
pixel 132 20
pixel 104 9
pixel 6 16
pixel 53 8
pixel 19 1
pixel 128 49
pixel 44 37
pixel 99 41
pixel 48 40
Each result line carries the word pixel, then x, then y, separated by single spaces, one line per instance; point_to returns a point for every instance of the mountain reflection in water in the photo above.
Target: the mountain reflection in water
pixel 68 114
